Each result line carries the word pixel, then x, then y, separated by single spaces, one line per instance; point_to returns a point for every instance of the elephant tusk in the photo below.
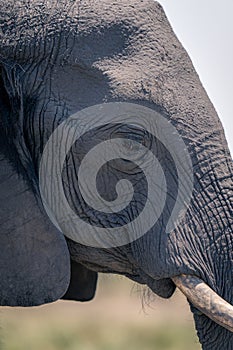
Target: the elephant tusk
pixel 206 300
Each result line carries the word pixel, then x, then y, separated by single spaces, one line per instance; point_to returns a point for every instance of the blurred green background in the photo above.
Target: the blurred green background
pixel 118 318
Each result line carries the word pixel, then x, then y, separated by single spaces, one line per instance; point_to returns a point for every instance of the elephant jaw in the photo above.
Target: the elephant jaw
pixel 206 300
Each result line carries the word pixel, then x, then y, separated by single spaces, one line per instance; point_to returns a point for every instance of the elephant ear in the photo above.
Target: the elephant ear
pixel 82 283
pixel 34 259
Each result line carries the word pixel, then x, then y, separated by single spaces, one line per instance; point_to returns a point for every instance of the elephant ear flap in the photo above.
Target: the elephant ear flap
pixel 34 259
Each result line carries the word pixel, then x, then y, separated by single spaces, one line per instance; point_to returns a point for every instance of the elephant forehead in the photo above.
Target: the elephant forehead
pixel 113 36
pixel 129 43
pixel 22 21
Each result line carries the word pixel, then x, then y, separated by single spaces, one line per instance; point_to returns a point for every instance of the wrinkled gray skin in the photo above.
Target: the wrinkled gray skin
pixel 57 58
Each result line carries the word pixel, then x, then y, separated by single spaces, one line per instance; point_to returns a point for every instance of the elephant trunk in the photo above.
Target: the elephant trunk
pixel 206 300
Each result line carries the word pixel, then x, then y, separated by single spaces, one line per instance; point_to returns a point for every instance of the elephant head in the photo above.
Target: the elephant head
pixel 60 59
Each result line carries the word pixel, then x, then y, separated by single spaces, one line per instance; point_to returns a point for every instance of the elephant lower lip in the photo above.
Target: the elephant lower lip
pixel 162 287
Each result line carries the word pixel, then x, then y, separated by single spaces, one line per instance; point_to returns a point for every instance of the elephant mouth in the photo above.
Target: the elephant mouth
pixel 198 293
pixel 163 287
pixel 201 296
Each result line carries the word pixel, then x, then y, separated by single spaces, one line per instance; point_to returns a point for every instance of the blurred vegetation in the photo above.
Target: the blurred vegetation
pixel 114 320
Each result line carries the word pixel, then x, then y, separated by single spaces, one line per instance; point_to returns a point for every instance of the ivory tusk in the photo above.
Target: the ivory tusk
pixel 206 300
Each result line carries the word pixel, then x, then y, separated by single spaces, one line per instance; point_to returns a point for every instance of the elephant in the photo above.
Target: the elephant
pixel 58 59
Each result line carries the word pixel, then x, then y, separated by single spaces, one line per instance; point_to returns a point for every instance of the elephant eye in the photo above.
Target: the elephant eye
pixel 133 146
pixel 130 145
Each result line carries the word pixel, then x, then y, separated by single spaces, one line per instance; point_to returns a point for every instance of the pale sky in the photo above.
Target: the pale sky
pixel 205 28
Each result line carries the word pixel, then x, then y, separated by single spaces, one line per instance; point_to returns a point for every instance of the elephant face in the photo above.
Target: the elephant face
pixel 59 60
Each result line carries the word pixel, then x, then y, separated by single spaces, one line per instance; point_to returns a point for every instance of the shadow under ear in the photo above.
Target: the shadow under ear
pixel 82 283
